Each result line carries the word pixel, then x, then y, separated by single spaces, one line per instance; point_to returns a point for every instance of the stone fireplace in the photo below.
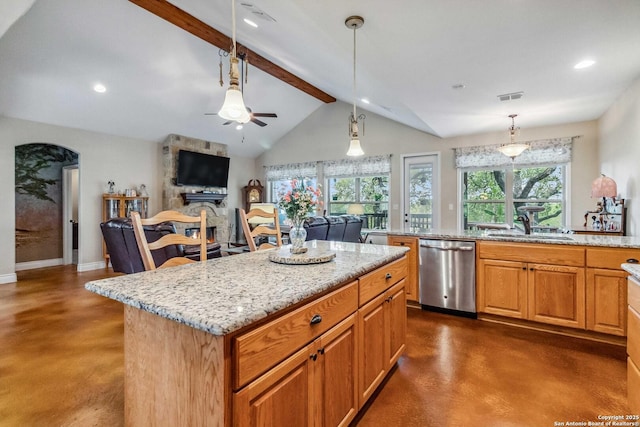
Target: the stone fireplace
pixel 217 212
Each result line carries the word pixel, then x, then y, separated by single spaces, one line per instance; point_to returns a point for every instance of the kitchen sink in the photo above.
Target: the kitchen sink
pixel 529 236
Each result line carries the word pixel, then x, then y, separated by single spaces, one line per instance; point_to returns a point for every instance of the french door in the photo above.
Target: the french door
pixel 421 207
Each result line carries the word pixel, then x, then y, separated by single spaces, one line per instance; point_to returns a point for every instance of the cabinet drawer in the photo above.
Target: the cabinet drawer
pixel 260 349
pixel 378 281
pixel 543 254
pixel 610 258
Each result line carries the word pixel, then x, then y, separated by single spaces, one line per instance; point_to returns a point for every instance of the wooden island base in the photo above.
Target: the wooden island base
pixel 307 366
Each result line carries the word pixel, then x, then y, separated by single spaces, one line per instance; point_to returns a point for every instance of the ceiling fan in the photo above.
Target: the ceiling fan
pixel 252 115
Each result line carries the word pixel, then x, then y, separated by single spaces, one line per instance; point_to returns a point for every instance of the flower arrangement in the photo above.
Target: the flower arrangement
pixel 299 201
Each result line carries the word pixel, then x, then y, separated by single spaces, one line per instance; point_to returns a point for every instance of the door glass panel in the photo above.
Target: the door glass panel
pixel 420 188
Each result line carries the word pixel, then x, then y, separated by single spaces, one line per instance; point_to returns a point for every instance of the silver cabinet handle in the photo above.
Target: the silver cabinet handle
pixel 460 248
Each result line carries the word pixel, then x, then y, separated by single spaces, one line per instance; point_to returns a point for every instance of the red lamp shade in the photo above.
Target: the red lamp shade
pixel 603 186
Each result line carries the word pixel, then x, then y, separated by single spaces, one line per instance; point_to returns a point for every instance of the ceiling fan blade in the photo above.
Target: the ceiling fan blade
pixel 258 122
pixel 227 123
pixel 265 115
pixel 210 114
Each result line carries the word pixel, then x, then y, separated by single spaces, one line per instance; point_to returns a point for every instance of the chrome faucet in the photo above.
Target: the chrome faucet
pixel 525 223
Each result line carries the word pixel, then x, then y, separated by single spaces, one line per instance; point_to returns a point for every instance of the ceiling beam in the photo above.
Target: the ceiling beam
pixel 191 24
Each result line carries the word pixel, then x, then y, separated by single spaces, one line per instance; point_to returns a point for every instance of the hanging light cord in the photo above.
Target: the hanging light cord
pixel 354 74
pixel 233 27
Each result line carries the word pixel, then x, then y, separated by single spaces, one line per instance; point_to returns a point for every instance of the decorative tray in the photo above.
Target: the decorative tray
pixel 312 256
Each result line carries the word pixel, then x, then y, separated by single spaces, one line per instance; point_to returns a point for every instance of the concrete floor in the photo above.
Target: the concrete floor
pixel 61 364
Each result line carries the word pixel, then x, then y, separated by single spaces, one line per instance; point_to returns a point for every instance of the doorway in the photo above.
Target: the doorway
pixel 44 204
pixel 70 232
pixel 421 192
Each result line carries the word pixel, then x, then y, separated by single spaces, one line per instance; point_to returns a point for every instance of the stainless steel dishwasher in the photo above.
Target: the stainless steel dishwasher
pixel 447 276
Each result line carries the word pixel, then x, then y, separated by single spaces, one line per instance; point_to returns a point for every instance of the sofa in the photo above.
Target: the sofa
pixel 123 249
pixel 343 228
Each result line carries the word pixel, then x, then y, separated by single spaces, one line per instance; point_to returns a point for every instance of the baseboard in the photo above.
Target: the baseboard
pixel 8 278
pixel 554 329
pixel 30 265
pixel 88 266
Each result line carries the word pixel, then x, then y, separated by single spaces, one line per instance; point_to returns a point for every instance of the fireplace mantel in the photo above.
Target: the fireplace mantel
pixel 203 197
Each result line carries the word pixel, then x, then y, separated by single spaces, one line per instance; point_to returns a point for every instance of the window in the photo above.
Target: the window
pixel 494 195
pixel 359 187
pixel 366 196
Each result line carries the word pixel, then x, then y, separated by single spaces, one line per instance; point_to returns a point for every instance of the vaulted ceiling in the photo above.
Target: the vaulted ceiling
pixel 161 79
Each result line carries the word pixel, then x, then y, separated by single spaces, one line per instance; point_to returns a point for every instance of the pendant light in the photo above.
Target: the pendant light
pixel 233 108
pixel 513 149
pixel 354 22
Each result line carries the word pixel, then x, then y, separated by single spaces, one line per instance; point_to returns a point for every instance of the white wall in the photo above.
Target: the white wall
pixel 323 136
pixel 128 162
pixel 241 170
pixel 620 151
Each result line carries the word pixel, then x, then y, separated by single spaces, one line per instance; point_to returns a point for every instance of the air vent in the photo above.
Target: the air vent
pixel 257 12
pixel 511 96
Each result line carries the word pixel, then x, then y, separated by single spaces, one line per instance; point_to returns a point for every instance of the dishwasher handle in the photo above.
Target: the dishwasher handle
pixel 440 248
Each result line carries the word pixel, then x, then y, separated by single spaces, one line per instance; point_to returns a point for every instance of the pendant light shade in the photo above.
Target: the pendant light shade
pixel 354 148
pixel 354 22
pixel 233 107
pixel 513 149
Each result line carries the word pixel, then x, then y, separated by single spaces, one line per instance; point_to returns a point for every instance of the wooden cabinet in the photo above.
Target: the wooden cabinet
pixel 380 351
pixel 543 283
pixel 317 365
pixel 502 288
pixel 119 206
pixel 556 295
pixel 633 345
pixel 607 289
pixel 413 243
pixel 315 386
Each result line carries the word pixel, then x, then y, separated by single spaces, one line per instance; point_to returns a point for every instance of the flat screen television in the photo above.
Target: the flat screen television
pixel 204 170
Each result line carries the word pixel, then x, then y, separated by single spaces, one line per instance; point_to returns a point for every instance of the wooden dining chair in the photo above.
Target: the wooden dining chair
pixel 169 239
pixel 260 230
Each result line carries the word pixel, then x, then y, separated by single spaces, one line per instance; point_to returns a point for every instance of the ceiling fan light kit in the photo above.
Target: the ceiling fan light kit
pixel 354 22
pixel 513 149
pixel 233 107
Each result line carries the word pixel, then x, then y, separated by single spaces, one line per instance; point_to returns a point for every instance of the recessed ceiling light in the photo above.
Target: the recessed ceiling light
pixel 239 127
pixel 250 22
pixel 584 64
pixel 100 88
pixel 365 100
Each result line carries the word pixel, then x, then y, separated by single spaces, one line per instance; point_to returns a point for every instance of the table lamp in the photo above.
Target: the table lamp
pixel 604 187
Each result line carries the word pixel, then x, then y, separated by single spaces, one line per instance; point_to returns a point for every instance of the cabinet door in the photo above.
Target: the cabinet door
pixel 411 285
pixel 397 323
pixel 502 288
pixel 557 295
pixel 281 397
pixel 373 356
pixel 607 301
pixel 335 374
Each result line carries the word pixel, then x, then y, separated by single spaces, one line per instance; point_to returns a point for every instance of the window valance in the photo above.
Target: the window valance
pixel 374 165
pixel 542 151
pixel 291 170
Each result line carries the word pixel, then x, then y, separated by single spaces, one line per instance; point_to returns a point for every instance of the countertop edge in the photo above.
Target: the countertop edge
pixel 199 322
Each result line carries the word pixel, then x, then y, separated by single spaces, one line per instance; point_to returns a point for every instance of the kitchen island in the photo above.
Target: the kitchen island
pixel 245 341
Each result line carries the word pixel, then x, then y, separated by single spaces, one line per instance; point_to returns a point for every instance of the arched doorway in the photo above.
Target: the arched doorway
pixel 41 204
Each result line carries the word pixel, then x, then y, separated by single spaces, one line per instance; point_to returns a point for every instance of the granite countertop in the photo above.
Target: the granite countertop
pixel 514 236
pixel 224 294
pixel 634 269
